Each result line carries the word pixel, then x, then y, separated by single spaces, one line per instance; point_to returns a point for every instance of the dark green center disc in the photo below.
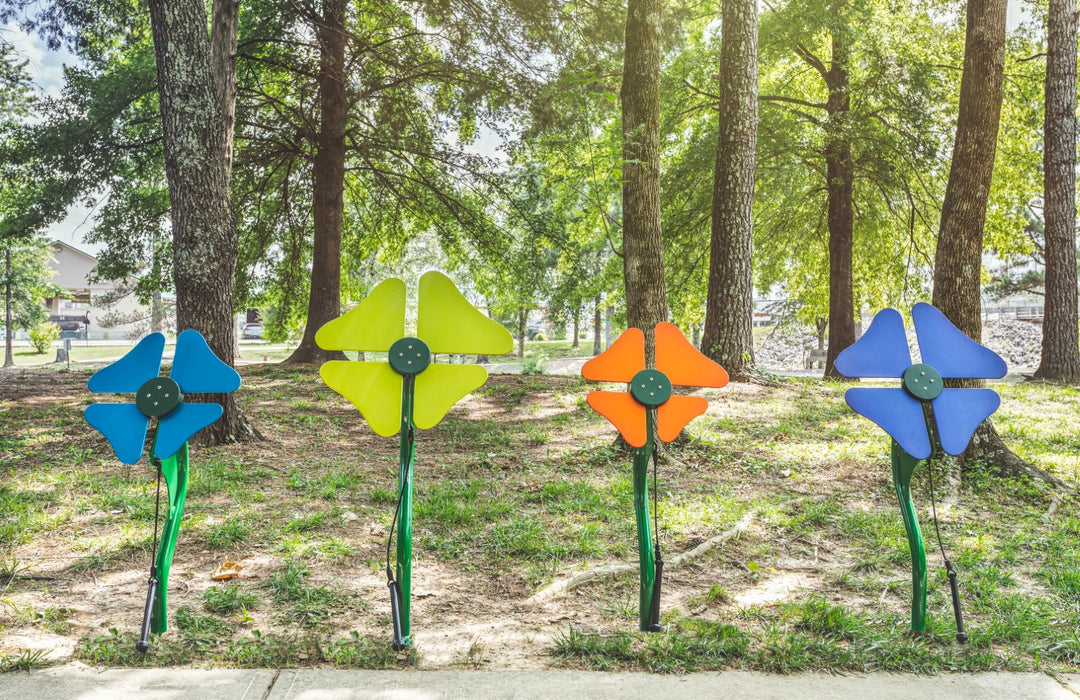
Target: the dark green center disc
pixel 650 387
pixel 409 356
pixel 158 396
pixel 923 382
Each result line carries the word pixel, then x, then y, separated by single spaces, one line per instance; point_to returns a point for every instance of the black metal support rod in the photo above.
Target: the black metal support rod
pixel 961 635
pixel 143 645
pixel 395 615
pixel 654 604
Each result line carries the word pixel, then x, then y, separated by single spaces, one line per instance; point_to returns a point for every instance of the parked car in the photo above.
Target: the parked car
pixel 253 331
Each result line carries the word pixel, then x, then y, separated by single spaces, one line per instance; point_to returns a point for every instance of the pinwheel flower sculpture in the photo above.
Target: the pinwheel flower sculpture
pixel 650 409
pixel 195 369
pixel 408 390
pixel 920 409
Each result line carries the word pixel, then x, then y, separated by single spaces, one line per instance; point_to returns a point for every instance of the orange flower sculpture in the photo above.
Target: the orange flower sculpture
pixel 678 363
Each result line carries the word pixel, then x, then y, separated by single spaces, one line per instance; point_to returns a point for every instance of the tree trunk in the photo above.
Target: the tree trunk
pixel 204 231
pixel 729 315
pixel 643 254
pixel 1060 360
pixel 597 328
pixel 577 328
pixel 521 332
pixel 225 21
pixel 324 301
pixel 958 261
pixel 9 358
pixel 156 315
pixel 840 172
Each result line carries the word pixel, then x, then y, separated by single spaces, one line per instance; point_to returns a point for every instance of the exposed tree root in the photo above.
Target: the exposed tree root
pixel 607 573
pixel 988 448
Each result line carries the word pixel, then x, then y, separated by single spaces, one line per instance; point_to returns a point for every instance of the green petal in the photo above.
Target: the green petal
pixel 449 323
pixel 374 324
pixel 439 387
pixel 373 387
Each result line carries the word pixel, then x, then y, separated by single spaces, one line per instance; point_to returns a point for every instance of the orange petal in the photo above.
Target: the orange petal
pixel 624 412
pixel 620 362
pixel 682 363
pixel 673 415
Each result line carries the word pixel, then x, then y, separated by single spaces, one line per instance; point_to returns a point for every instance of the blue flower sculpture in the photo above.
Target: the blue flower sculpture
pixel 946 354
pixel 195 369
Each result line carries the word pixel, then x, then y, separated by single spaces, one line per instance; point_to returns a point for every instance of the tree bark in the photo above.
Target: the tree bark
pixel 958 261
pixel 225 22
pixel 577 328
pixel 643 253
pixel 9 358
pixel 1060 359
pixel 521 332
pixel 840 173
pixel 205 239
pixel 729 315
pixel 328 206
pixel 597 328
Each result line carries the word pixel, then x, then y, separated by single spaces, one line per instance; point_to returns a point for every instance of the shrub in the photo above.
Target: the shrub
pixel 42 336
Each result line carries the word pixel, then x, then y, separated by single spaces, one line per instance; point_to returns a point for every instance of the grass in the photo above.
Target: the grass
pixel 522 485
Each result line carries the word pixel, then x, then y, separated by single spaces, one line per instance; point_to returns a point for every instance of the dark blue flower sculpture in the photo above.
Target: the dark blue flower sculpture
pixel 946 354
pixel 195 369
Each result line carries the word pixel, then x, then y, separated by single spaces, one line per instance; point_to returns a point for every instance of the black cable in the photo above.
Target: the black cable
pixel 655 502
pixel 397 511
pixel 391 583
pixel 143 645
pixel 658 561
pixel 157 507
pixel 961 635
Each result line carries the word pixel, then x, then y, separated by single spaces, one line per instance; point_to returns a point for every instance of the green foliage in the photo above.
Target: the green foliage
pixel 227 599
pixel 308 606
pixel 29 276
pixel 28 660
pixel 43 335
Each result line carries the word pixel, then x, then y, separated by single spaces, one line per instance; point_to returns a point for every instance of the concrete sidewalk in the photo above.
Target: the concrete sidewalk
pixel 317 684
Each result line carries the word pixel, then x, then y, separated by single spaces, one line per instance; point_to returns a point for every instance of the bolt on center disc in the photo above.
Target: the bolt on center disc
pixel 409 356
pixel 158 397
pixel 650 387
pixel 923 382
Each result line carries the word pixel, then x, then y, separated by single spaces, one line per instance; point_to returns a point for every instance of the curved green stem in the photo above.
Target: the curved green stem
pixel 903 465
pixel 403 568
pixel 175 471
pixel 642 455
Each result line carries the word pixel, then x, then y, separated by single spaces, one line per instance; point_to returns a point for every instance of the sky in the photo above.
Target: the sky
pixel 47 69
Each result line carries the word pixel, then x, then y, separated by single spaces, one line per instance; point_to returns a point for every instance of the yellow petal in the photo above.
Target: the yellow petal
pixel 374 324
pixel 373 387
pixel 449 323
pixel 439 387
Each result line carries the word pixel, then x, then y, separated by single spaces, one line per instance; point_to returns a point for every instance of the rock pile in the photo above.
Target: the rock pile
pixel 786 348
pixel 1018 342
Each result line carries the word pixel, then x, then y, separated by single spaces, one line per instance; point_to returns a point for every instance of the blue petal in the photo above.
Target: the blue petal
pixel 898 413
pixel 128 373
pixel 123 425
pixel 945 347
pixel 184 421
pixel 197 369
pixel 958 412
pixel 882 350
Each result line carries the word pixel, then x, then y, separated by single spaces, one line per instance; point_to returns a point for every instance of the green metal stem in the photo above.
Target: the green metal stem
pixel 642 456
pixel 175 471
pixel 903 465
pixel 403 568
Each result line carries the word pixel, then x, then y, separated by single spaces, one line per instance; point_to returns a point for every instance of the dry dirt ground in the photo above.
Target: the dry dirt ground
pixel 319 489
